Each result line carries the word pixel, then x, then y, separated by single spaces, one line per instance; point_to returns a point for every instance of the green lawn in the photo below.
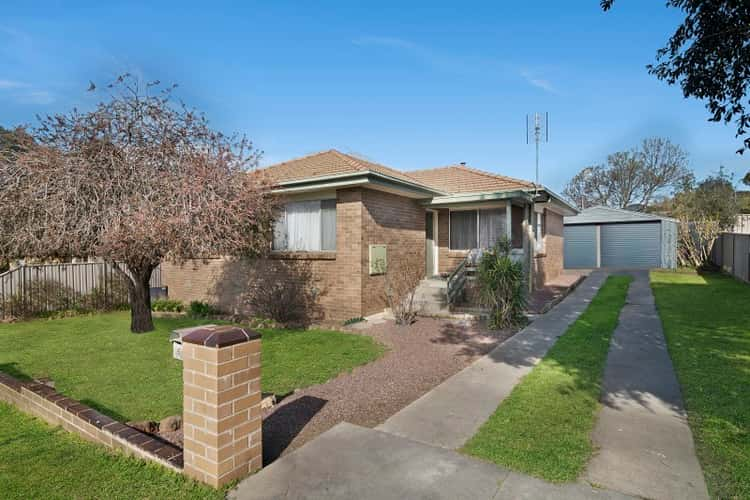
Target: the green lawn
pixel 96 360
pixel 543 427
pixel 706 321
pixel 39 461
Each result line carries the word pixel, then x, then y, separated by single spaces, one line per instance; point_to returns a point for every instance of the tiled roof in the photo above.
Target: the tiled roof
pixel 327 163
pixel 463 179
pixel 450 179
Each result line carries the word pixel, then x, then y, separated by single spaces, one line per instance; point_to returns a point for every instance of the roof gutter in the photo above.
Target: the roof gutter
pixel 355 179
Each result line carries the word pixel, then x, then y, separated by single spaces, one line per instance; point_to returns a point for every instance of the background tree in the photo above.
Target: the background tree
pixel 708 56
pixel 137 180
pixel 714 198
pixel 746 179
pixel 633 177
pixel 10 146
pixel 704 211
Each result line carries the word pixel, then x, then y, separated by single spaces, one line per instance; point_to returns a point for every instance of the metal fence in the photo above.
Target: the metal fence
pixel 731 252
pixel 742 224
pixel 36 290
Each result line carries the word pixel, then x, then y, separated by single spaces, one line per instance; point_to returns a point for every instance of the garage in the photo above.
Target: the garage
pixel 604 237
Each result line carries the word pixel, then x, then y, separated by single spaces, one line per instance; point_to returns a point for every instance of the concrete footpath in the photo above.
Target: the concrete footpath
pixel 452 412
pixel 349 461
pixel 645 447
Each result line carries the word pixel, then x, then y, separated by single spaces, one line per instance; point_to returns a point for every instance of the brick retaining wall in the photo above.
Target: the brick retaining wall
pixel 49 405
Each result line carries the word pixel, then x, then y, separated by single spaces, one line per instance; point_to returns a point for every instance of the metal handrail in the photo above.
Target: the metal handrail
pixel 457 280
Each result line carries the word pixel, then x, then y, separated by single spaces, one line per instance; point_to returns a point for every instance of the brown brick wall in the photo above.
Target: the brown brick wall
pixel 550 264
pixel 397 222
pixel 340 279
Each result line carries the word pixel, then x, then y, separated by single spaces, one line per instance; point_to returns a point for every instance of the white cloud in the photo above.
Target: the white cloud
pixel 539 83
pixel 11 84
pixel 36 97
pixel 425 55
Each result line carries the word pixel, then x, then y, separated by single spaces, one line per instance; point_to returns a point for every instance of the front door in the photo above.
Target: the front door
pixel 429 245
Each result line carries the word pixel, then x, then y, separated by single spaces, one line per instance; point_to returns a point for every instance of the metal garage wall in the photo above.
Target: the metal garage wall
pixel 636 245
pixel 580 247
pixel 668 244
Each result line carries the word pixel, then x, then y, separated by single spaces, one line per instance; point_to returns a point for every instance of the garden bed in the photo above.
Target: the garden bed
pixel 419 357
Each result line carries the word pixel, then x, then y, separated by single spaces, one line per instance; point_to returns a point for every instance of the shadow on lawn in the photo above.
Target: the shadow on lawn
pixel 13 370
pixel 285 423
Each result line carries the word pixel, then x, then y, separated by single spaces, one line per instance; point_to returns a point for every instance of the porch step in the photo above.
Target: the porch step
pixel 431 297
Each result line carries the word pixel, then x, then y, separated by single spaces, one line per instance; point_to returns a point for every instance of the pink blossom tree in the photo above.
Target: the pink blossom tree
pixel 139 179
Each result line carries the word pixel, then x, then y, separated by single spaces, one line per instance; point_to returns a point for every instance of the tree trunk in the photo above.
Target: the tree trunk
pixel 140 306
pixel 139 290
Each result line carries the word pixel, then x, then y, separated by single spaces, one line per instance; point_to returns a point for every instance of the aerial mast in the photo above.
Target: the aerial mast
pixel 537 131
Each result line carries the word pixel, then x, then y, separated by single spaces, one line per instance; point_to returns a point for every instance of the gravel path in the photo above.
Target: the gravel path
pixel 419 358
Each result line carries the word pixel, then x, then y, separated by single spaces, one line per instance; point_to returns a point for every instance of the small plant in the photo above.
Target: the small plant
pixel 402 276
pixel 167 305
pixel 200 309
pixel 501 285
pixel 351 321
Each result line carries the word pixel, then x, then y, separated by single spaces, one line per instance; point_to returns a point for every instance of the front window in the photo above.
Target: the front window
pixel 476 228
pixel 307 226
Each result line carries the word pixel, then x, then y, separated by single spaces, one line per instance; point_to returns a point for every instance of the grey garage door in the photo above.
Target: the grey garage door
pixel 580 247
pixel 636 245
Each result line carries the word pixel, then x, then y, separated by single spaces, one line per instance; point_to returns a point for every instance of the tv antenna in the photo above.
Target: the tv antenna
pixel 537 130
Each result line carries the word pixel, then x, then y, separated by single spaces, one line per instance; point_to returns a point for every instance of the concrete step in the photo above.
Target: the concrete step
pixel 433 283
pixel 431 294
pixel 431 308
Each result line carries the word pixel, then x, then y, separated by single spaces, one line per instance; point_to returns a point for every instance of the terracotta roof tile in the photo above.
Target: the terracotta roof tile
pixel 463 179
pixel 328 163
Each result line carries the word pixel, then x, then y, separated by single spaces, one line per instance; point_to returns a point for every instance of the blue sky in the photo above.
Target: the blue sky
pixel 408 84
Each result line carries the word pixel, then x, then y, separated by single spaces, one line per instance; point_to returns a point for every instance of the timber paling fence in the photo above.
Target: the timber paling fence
pixel 731 252
pixel 38 290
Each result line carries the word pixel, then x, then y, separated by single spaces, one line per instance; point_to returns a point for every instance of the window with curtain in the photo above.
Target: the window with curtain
pixel 476 228
pixel 307 226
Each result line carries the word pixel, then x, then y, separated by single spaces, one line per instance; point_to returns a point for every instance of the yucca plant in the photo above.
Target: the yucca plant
pixel 501 285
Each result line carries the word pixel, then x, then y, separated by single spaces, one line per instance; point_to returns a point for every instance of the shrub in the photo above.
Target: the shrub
pixel 198 309
pixel 167 305
pixel 402 276
pixel 502 285
pixel 109 295
pixel 351 321
pixel 288 295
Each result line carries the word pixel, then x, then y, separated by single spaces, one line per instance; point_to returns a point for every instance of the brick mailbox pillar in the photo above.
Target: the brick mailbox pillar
pixel 221 409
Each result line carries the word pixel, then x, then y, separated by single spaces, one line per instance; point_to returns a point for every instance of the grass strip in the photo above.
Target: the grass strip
pixel 706 320
pixel 40 461
pixel 543 427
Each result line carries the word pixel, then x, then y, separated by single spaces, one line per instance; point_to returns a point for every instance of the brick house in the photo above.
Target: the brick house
pixel 340 208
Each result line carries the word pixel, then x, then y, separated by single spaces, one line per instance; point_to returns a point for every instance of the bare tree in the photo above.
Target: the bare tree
pixel 632 177
pixel 402 276
pixel 139 179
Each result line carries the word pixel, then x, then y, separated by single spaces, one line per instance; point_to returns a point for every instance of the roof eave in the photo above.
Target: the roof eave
pixel 456 198
pixel 558 199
